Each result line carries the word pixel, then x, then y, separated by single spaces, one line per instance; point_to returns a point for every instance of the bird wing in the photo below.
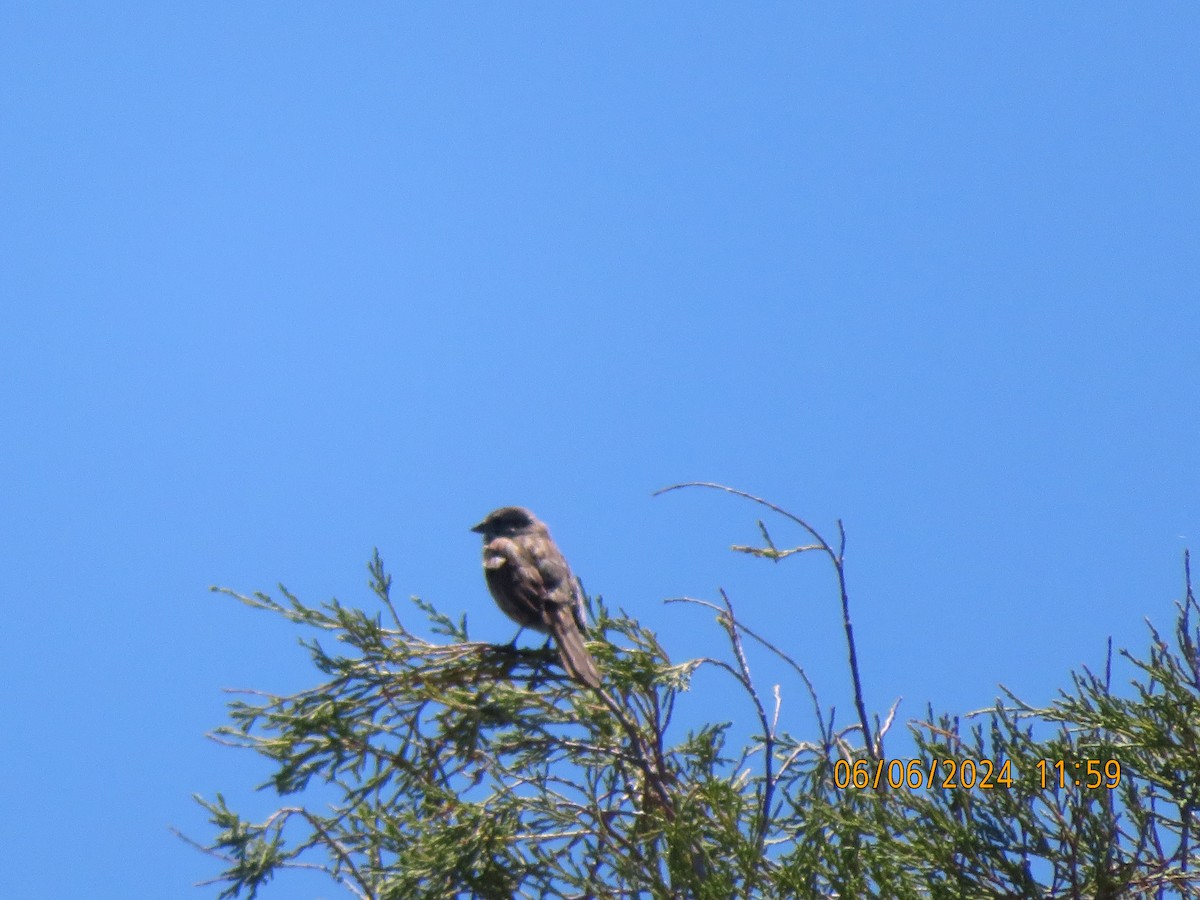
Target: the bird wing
pixel 561 586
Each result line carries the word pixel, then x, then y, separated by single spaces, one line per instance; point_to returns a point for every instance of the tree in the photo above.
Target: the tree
pixel 466 769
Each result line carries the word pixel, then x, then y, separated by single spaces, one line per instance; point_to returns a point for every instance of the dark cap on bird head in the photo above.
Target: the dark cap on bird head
pixel 505 520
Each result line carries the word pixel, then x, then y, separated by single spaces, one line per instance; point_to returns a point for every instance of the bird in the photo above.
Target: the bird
pixel 532 584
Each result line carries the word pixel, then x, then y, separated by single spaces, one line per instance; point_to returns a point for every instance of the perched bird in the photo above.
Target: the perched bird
pixel 533 585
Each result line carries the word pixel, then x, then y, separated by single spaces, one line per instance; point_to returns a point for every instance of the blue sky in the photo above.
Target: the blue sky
pixel 283 284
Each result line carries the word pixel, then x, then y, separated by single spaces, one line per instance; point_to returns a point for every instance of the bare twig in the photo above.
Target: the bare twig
pixel 837 558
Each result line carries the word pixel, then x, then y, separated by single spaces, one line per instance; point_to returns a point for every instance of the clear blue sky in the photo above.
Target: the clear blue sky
pixel 281 284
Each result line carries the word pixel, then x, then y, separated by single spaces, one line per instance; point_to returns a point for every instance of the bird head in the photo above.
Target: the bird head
pixel 506 522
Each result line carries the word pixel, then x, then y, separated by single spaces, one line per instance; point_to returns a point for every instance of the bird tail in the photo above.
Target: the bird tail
pixel 575 657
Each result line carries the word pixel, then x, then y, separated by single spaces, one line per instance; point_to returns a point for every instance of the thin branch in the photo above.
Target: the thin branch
pixel 729 620
pixel 837 558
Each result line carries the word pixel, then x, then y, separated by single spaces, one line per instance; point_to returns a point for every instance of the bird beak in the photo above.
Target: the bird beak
pixel 478 529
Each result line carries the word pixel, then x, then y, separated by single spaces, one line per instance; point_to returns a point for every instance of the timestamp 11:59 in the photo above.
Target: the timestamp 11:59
pixel 1085 773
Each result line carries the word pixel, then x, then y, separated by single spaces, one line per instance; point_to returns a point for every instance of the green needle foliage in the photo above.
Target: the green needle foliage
pixel 451 768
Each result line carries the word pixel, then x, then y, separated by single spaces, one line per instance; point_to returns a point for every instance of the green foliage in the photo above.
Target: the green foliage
pixel 464 769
